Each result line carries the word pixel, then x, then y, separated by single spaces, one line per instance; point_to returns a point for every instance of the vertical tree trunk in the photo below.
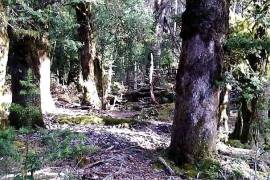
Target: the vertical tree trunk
pixel 194 130
pixel 135 76
pixel 223 126
pixel 161 13
pixel 151 72
pixel 260 125
pixel 4 47
pixel 107 82
pixel 26 109
pixel 244 120
pixel 88 54
pixel 44 71
pixel 98 71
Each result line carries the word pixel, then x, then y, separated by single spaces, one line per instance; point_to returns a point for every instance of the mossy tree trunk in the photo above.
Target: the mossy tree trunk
pixel 26 108
pixel 260 128
pixel 88 54
pixel 204 25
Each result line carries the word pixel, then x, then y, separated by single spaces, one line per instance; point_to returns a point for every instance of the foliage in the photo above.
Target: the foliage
pixel 7 147
pixel 66 145
pixel 209 169
pixel 27 115
pixel 124 31
pixel 29 86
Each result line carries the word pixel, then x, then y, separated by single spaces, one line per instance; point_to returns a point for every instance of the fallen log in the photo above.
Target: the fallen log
pixel 162 95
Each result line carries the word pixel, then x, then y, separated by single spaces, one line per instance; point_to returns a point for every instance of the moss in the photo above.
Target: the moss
pixel 92 119
pixel 209 168
pixel 165 112
pixel 238 144
pixel 19 144
pixel 190 170
pixel 178 170
pixel 80 120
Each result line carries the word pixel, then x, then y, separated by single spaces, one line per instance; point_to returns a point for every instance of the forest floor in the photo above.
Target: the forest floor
pixel 83 144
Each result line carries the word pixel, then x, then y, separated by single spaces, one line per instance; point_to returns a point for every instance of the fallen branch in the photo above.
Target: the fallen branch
pixel 97 163
pixel 168 168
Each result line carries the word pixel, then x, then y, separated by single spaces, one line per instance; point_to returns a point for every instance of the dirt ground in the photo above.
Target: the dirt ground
pixel 131 151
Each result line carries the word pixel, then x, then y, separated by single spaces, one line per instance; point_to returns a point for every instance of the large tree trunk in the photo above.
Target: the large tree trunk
pixel 26 108
pixel 88 54
pixel 260 125
pixel 194 130
pixel 4 47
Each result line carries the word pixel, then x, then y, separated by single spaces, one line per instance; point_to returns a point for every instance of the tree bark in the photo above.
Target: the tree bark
pixel 223 126
pixel 24 80
pixel 44 71
pixel 260 118
pixel 4 47
pixel 204 25
pixel 88 54
pixel 244 120
pixel 151 72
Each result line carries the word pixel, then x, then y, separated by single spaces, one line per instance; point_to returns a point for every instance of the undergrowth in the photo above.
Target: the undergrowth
pixel 22 153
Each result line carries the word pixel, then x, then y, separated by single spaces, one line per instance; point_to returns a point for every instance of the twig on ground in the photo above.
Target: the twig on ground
pixel 169 169
pixel 97 163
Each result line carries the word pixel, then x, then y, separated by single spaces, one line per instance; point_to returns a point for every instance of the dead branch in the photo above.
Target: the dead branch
pixel 168 168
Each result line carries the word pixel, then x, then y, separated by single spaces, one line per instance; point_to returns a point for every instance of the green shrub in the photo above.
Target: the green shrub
pixel 7 147
pixel 26 116
pixel 66 145
pixel 209 169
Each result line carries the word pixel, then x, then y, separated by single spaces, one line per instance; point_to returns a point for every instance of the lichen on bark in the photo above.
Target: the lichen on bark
pixel 194 131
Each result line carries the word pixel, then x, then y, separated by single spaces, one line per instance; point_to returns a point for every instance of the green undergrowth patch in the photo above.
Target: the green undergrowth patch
pixel 65 144
pixel 238 144
pixel 162 113
pixel 93 119
pixel 208 168
pixel 25 151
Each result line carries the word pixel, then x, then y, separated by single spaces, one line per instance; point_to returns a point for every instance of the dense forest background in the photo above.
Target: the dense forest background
pixel 134 89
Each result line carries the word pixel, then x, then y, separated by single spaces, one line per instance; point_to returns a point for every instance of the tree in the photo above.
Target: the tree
pixel 29 65
pixel 4 47
pixel 204 25
pixel 25 94
pixel 88 55
pixel 249 43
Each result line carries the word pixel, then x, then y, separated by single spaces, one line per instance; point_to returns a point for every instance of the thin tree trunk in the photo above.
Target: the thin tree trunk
pixel 88 54
pixel 107 82
pixel 135 76
pixel 223 126
pixel 98 71
pixel 151 72
pixel 204 26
